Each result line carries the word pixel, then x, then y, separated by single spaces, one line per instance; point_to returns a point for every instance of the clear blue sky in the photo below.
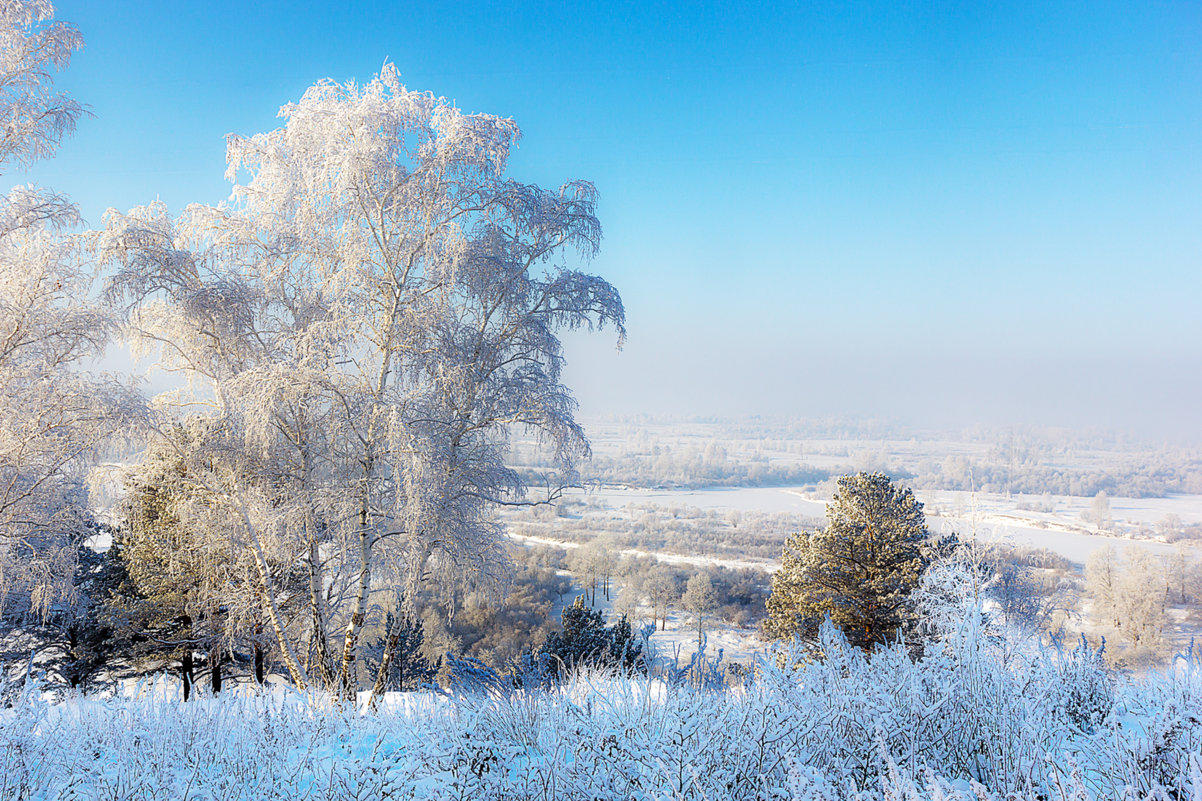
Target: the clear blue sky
pixel 953 212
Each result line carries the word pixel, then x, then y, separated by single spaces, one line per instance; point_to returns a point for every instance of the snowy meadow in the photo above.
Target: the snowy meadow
pixel 974 717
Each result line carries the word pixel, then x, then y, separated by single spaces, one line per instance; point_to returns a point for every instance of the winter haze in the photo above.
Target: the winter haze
pixel 938 214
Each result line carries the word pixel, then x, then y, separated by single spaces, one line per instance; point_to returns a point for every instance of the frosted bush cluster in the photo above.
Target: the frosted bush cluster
pixel 964 721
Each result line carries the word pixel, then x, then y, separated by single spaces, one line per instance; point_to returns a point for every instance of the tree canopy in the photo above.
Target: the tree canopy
pixel 54 417
pixel 363 325
pixel 860 569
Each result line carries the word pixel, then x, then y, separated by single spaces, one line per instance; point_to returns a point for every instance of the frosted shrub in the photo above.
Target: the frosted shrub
pixel 1154 742
pixel 1080 689
pixel 970 719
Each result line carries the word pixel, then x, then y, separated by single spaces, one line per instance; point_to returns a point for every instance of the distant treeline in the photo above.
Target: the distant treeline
pixel 663 466
pixel 1131 480
pixel 1020 460
pixel 1153 476
pixel 689 470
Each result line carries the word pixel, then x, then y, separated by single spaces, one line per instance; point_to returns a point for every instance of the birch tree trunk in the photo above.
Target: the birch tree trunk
pixel 392 639
pixel 346 679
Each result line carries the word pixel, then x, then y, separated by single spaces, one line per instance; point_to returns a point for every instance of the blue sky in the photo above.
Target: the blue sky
pixel 939 213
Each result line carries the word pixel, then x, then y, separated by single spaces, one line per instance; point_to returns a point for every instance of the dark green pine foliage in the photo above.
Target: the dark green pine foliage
pixel 404 666
pixel 860 569
pixel 85 640
pixel 586 641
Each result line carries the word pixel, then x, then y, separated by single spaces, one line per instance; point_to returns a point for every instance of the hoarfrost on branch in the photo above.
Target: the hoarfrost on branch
pixel 368 318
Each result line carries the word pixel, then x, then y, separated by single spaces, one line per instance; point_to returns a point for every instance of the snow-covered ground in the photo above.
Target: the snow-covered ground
pixel 743 499
pixel 667 558
pixel 962 723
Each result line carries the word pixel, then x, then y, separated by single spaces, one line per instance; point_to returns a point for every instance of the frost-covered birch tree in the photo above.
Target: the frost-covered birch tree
pixel 370 315
pixel 53 417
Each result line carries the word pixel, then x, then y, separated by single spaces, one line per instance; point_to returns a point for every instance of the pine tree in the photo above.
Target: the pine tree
pixel 585 640
pixel 403 666
pixel 183 574
pixel 860 569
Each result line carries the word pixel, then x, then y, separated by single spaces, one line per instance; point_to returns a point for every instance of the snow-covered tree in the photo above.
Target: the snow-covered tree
pixel 53 417
pixel 189 575
pixel 594 564
pixel 662 591
pixel 1099 511
pixel 32 46
pixel 1130 593
pixel 370 316
pixel 699 600
pixel 1102 582
pixel 1140 597
pixel 631 596
pixel 1181 573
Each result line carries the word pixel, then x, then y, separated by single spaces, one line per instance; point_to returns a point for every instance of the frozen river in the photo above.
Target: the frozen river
pixel 995 517
pixel 772 500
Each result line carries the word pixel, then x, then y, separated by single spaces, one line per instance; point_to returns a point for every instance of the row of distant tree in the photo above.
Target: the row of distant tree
pixel 1021 461
pixel 663 529
pixel 1151 476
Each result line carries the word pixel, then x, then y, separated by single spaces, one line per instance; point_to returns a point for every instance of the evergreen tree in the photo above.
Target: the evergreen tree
pixel 402 664
pixel 585 640
pixel 159 605
pixel 625 651
pixel 74 641
pixel 182 572
pixel 860 569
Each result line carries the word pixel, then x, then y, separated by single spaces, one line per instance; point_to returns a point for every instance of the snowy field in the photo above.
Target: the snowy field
pixel 993 516
pixel 772 500
pixel 974 719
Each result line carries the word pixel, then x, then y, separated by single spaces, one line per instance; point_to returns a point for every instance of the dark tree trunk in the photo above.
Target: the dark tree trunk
pixel 259 664
pixel 186 664
pixel 73 673
pixel 215 669
pixel 186 668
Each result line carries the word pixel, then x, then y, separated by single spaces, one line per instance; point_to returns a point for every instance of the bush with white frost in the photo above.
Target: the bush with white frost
pixel 966 720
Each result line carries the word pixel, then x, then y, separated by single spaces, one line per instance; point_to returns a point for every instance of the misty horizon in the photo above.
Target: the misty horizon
pixel 989 216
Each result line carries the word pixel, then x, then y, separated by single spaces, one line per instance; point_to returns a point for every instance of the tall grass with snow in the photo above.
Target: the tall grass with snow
pixel 972 717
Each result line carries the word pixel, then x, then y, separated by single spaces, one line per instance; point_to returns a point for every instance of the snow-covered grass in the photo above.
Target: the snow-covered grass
pixel 974 718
